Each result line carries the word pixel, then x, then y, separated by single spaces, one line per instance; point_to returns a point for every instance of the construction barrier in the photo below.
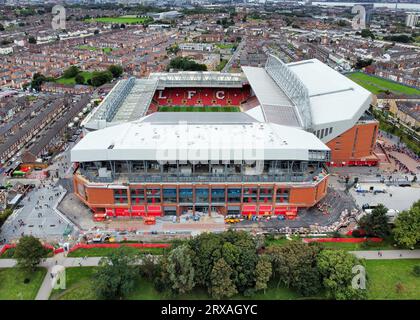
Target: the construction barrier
pixel 344 240
pixel 117 245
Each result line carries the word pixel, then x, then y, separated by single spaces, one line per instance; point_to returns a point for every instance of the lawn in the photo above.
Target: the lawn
pixel 198 109
pixel 86 47
pixel 12 286
pixel 226 45
pixel 385 275
pixel 71 81
pixel 100 252
pixel 378 85
pixel 125 20
pixel 79 287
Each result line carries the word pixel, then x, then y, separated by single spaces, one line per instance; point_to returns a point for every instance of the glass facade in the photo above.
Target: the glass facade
pixel 217 195
pixel 169 195
pixel 201 195
pixel 234 195
pixel 185 195
pixel 120 196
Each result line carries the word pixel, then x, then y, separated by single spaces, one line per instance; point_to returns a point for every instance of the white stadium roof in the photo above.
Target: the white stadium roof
pixel 225 137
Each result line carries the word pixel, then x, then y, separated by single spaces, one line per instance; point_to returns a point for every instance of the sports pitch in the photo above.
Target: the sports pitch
pixel 379 85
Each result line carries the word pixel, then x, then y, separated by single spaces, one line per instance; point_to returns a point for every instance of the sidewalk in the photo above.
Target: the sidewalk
pixel 46 288
pixel 387 254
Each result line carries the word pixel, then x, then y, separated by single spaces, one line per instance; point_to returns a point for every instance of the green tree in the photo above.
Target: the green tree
pixel 1 27
pixel 116 276
pixel 37 80
pixel 148 267
pixel 263 272
pixel 295 266
pixel 222 285
pixel 376 224
pixel 366 33
pixel 115 70
pixel 180 269
pixel 186 64
pixel 29 252
pixel 32 40
pixel 71 72
pixel 100 77
pixel 407 226
pixel 336 267
pixel 79 79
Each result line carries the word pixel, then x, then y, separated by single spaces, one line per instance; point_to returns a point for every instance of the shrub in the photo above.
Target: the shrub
pixel 416 270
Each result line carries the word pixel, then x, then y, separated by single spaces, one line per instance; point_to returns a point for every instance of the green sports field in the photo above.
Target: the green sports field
pixel 379 85
pixel 198 109
pixel 125 20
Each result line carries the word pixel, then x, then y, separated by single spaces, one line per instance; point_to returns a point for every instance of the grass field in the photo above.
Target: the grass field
pixel 79 287
pixel 125 20
pixel 100 252
pixel 384 277
pixel 378 85
pixel 86 47
pixel 72 81
pixel 12 286
pixel 198 109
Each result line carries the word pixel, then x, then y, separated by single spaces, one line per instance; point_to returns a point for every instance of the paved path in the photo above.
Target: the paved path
pixel 46 286
pixel 387 254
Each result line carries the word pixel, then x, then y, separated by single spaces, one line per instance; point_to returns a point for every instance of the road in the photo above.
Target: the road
pixel 235 55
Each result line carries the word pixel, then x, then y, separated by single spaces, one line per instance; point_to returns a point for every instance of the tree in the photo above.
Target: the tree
pixel 1 27
pixel 180 269
pixel 336 267
pixel 116 275
pixel 263 272
pixel 71 72
pixel 295 266
pixel 366 33
pixel 148 267
pixel 79 79
pixel 32 40
pixel 115 70
pixel 96 32
pixel 222 285
pixel 37 80
pixel 100 77
pixel 407 226
pixel 376 224
pixel 29 252
pixel 186 64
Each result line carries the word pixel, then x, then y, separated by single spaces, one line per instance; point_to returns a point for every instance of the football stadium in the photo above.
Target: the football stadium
pixel 271 157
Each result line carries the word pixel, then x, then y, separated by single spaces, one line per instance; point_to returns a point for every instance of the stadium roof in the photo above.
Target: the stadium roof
pixel 198 117
pixel 218 139
pixel 333 96
pixel 198 79
pixel 308 94
pixel 275 104
pixel 128 100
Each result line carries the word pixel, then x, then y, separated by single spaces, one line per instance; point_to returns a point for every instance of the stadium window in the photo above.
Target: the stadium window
pixel 137 195
pixel 234 195
pixel 201 195
pixel 120 196
pixel 169 195
pixel 330 130
pixel 317 133
pixel 322 133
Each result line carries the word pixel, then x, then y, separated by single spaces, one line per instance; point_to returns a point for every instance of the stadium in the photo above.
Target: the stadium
pixel 270 157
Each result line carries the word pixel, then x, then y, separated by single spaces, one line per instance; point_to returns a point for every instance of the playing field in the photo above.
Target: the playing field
pixel 198 109
pixel 71 81
pixel 125 20
pixel 379 85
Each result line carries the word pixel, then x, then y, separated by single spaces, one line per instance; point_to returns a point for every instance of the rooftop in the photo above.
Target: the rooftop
pixel 224 136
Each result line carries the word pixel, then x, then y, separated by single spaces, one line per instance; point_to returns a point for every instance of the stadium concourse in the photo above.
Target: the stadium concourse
pixel 269 159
